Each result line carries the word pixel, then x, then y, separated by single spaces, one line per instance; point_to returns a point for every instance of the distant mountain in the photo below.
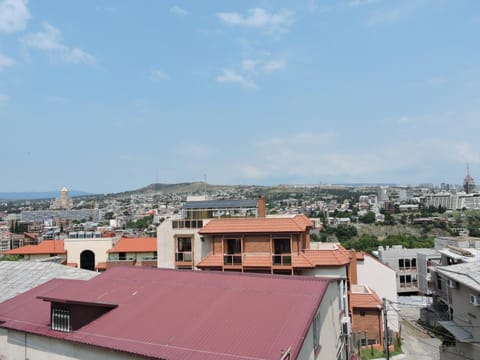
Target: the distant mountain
pixel 39 195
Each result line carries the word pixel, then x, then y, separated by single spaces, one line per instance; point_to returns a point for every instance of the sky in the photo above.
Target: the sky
pixel 109 96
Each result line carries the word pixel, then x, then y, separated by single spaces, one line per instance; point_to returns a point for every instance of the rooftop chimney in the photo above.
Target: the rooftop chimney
pixel 261 206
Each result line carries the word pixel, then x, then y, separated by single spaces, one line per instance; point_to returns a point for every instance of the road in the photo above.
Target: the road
pixel 417 344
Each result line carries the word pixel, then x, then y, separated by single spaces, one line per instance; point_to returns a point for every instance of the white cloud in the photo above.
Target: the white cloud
pixel 4 98
pixel 14 15
pixel 230 76
pixel 159 75
pixel 50 40
pixel 5 62
pixel 249 65
pixel 177 10
pixel 385 17
pixel 274 65
pixel 259 18
pixel 356 3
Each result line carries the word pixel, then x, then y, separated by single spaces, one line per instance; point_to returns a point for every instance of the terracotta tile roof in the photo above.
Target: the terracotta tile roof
pixel 257 260
pixel 336 255
pixel 239 313
pixel 135 245
pixel 45 247
pixel 211 260
pixel 298 223
pixel 300 260
pixel 360 255
pixel 365 300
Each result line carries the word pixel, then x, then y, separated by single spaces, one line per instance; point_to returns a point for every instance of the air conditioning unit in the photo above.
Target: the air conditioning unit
pixel 346 326
pixel 474 300
pixel 451 284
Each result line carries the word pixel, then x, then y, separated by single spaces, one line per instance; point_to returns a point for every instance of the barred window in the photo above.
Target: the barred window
pixel 61 320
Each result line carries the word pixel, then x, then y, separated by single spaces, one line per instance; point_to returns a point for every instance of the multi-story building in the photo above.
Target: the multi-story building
pixel 459 285
pixel 441 307
pixel 180 245
pixel 404 262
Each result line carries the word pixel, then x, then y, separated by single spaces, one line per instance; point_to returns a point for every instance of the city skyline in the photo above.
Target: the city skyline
pixel 105 97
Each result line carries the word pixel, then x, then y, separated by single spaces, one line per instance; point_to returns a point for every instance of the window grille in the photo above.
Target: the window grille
pixel 61 320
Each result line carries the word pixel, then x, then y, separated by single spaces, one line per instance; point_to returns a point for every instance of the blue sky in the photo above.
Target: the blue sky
pixel 107 96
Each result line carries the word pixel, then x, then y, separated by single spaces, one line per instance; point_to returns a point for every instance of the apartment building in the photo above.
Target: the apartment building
pixel 459 286
pixel 139 313
pixel 405 264
pixel 181 246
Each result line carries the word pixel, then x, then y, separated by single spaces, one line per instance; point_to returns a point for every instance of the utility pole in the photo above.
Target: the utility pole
pixel 385 329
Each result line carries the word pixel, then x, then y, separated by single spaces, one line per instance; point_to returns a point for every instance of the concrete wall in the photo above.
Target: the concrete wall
pixel 382 280
pixel 19 345
pixel 98 246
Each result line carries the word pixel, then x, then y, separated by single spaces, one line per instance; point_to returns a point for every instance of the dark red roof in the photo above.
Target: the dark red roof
pixel 173 314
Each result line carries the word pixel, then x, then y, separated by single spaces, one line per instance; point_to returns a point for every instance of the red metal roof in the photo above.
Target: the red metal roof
pixel 172 314
pixel 45 247
pixel 135 245
pixel 298 223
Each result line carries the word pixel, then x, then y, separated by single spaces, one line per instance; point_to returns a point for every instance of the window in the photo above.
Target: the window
pixel 316 332
pixel 122 256
pixel 184 249
pixel 401 264
pixel 61 320
pixel 233 246
pixel 184 244
pixel 281 246
pixel 407 263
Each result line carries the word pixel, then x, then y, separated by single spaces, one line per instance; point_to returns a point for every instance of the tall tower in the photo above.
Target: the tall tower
pixel 468 182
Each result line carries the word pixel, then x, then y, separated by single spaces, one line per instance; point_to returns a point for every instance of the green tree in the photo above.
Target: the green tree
pixel 368 218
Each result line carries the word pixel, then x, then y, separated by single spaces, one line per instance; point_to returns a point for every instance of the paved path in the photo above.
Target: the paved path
pixel 417 344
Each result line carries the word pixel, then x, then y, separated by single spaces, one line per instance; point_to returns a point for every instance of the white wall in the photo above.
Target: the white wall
pixel 383 281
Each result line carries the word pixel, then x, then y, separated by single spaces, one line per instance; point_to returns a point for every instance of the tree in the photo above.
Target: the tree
pixel 345 232
pixel 368 218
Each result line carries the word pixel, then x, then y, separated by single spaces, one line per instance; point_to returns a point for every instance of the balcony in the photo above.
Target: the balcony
pixel 282 259
pixel 183 256
pixel 232 259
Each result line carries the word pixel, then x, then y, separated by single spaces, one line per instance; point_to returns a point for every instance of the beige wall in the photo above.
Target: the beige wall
pixel 98 246
pixel 12 347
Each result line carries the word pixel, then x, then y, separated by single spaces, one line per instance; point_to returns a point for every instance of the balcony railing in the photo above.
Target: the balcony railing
pixel 183 256
pixel 232 259
pixel 282 259
pixel 149 258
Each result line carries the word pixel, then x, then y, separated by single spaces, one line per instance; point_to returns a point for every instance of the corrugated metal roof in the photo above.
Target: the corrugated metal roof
pixel 17 277
pixel 221 204
pixel 172 314
pixel 465 273
pixel 298 223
